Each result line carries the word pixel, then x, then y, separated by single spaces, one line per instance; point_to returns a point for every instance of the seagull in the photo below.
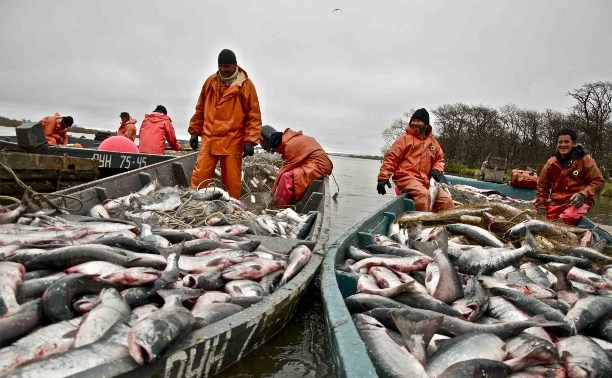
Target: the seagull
pixel 337 9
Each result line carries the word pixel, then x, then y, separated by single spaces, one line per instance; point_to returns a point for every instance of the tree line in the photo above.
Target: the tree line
pixel 469 134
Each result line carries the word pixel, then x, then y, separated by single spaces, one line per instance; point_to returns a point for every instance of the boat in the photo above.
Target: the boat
pixel 349 353
pixel 30 139
pixel 207 351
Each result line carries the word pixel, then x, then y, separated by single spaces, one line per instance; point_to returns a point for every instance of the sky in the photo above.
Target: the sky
pixel 341 76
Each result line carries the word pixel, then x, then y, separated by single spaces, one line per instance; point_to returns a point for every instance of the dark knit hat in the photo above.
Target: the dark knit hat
pixel 421 114
pixel 68 121
pixel 161 109
pixel 227 57
pixel 124 114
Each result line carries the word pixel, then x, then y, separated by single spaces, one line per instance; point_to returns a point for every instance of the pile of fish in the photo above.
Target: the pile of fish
pixel 443 296
pixel 80 291
pixel 210 206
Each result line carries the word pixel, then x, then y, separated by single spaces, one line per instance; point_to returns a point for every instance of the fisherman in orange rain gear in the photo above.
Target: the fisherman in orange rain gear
pixel 412 160
pixel 155 129
pixel 127 127
pixel 569 181
pixel 228 118
pixel 56 128
pixel 304 161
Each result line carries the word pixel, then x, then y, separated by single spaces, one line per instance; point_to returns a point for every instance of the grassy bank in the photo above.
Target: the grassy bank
pixel 461 169
pixel 607 190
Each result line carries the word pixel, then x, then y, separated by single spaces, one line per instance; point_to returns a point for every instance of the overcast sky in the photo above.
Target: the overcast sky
pixel 341 77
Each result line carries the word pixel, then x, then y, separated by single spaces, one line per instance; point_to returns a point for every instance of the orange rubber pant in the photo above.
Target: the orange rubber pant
pixel 422 199
pixel 569 214
pixel 231 171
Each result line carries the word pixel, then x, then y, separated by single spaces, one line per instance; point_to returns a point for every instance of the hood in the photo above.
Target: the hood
pixel 157 117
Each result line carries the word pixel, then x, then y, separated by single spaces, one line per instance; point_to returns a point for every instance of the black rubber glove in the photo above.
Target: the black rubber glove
pixel 577 199
pixel 436 175
pixel 380 187
pixel 193 141
pixel 249 149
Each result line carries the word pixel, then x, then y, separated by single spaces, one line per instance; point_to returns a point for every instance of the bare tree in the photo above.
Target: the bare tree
pixel 397 128
pixel 592 113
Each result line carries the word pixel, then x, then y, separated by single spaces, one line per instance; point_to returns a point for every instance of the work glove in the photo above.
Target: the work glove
pixel 436 175
pixel 577 199
pixel 380 187
pixel 249 149
pixel 193 141
pixel 60 140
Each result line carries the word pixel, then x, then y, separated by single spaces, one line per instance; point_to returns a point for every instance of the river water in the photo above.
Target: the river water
pixel 301 348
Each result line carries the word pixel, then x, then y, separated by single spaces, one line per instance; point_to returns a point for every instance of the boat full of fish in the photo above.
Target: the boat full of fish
pixel 483 290
pixel 133 277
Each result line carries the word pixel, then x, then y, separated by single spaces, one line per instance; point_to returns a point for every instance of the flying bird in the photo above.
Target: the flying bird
pixel 337 9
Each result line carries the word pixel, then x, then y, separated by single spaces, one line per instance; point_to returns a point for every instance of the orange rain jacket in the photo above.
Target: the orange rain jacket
pixel 155 129
pixel 305 157
pixel 128 129
pixel 226 117
pixel 410 160
pixel 578 175
pixel 53 131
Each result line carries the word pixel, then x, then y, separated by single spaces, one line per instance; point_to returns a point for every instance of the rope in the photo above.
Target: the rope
pixel 39 197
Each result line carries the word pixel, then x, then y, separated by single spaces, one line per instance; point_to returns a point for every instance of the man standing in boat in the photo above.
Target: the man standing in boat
pixel 412 160
pixel 304 161
pixel 569 181
pixel 56 128
pixel 228 118
pixel 127 127
pixel 155 129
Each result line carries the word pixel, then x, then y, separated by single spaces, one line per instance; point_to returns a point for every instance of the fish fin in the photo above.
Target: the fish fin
pixel 70 334
pixel 407 328
pixel 530 241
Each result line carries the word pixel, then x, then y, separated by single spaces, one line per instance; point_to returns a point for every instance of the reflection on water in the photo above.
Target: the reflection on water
pixel 602 211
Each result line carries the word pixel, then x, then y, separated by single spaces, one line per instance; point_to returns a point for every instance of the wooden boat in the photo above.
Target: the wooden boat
pixel 30 139
pixel 349 353
pixel 43 174
pixel 207 351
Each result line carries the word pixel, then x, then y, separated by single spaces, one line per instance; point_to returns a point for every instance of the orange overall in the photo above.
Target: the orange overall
pixel 128 129
pixel 304 161
pixel 53 132
pixel 410 160
pixel 558 182
pixel 226 117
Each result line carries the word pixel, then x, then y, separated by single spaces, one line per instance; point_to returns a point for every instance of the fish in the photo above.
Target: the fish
pixel 533 307
pixel 135 276
pixel 301 230
pixel 206 281
pixel 482 261
pixel 94 268
pixel 587 312
pixel 476 367
pixel 482 236
pixel 367 284
pixel 165 199
pixel 448 287
pixel 527 346
pixel 244 288
pixel 270 282
pixel 42 236
pixel 586 253
pixel 213 312
pixel 21 321
pixel 475 301
pixel 582 357
pixel 170 274
pixel 11 276
pixel 401 264
pixel 7 217
pixel 538 227
pixel 389 358
pixel 252 269
pixel 151 337
pixel 298 258
pixel 34 288
pixel 465 348
pixel 39 344
pixel 434 187
pixel 96 323
pixel 57 298
pixel 417 335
